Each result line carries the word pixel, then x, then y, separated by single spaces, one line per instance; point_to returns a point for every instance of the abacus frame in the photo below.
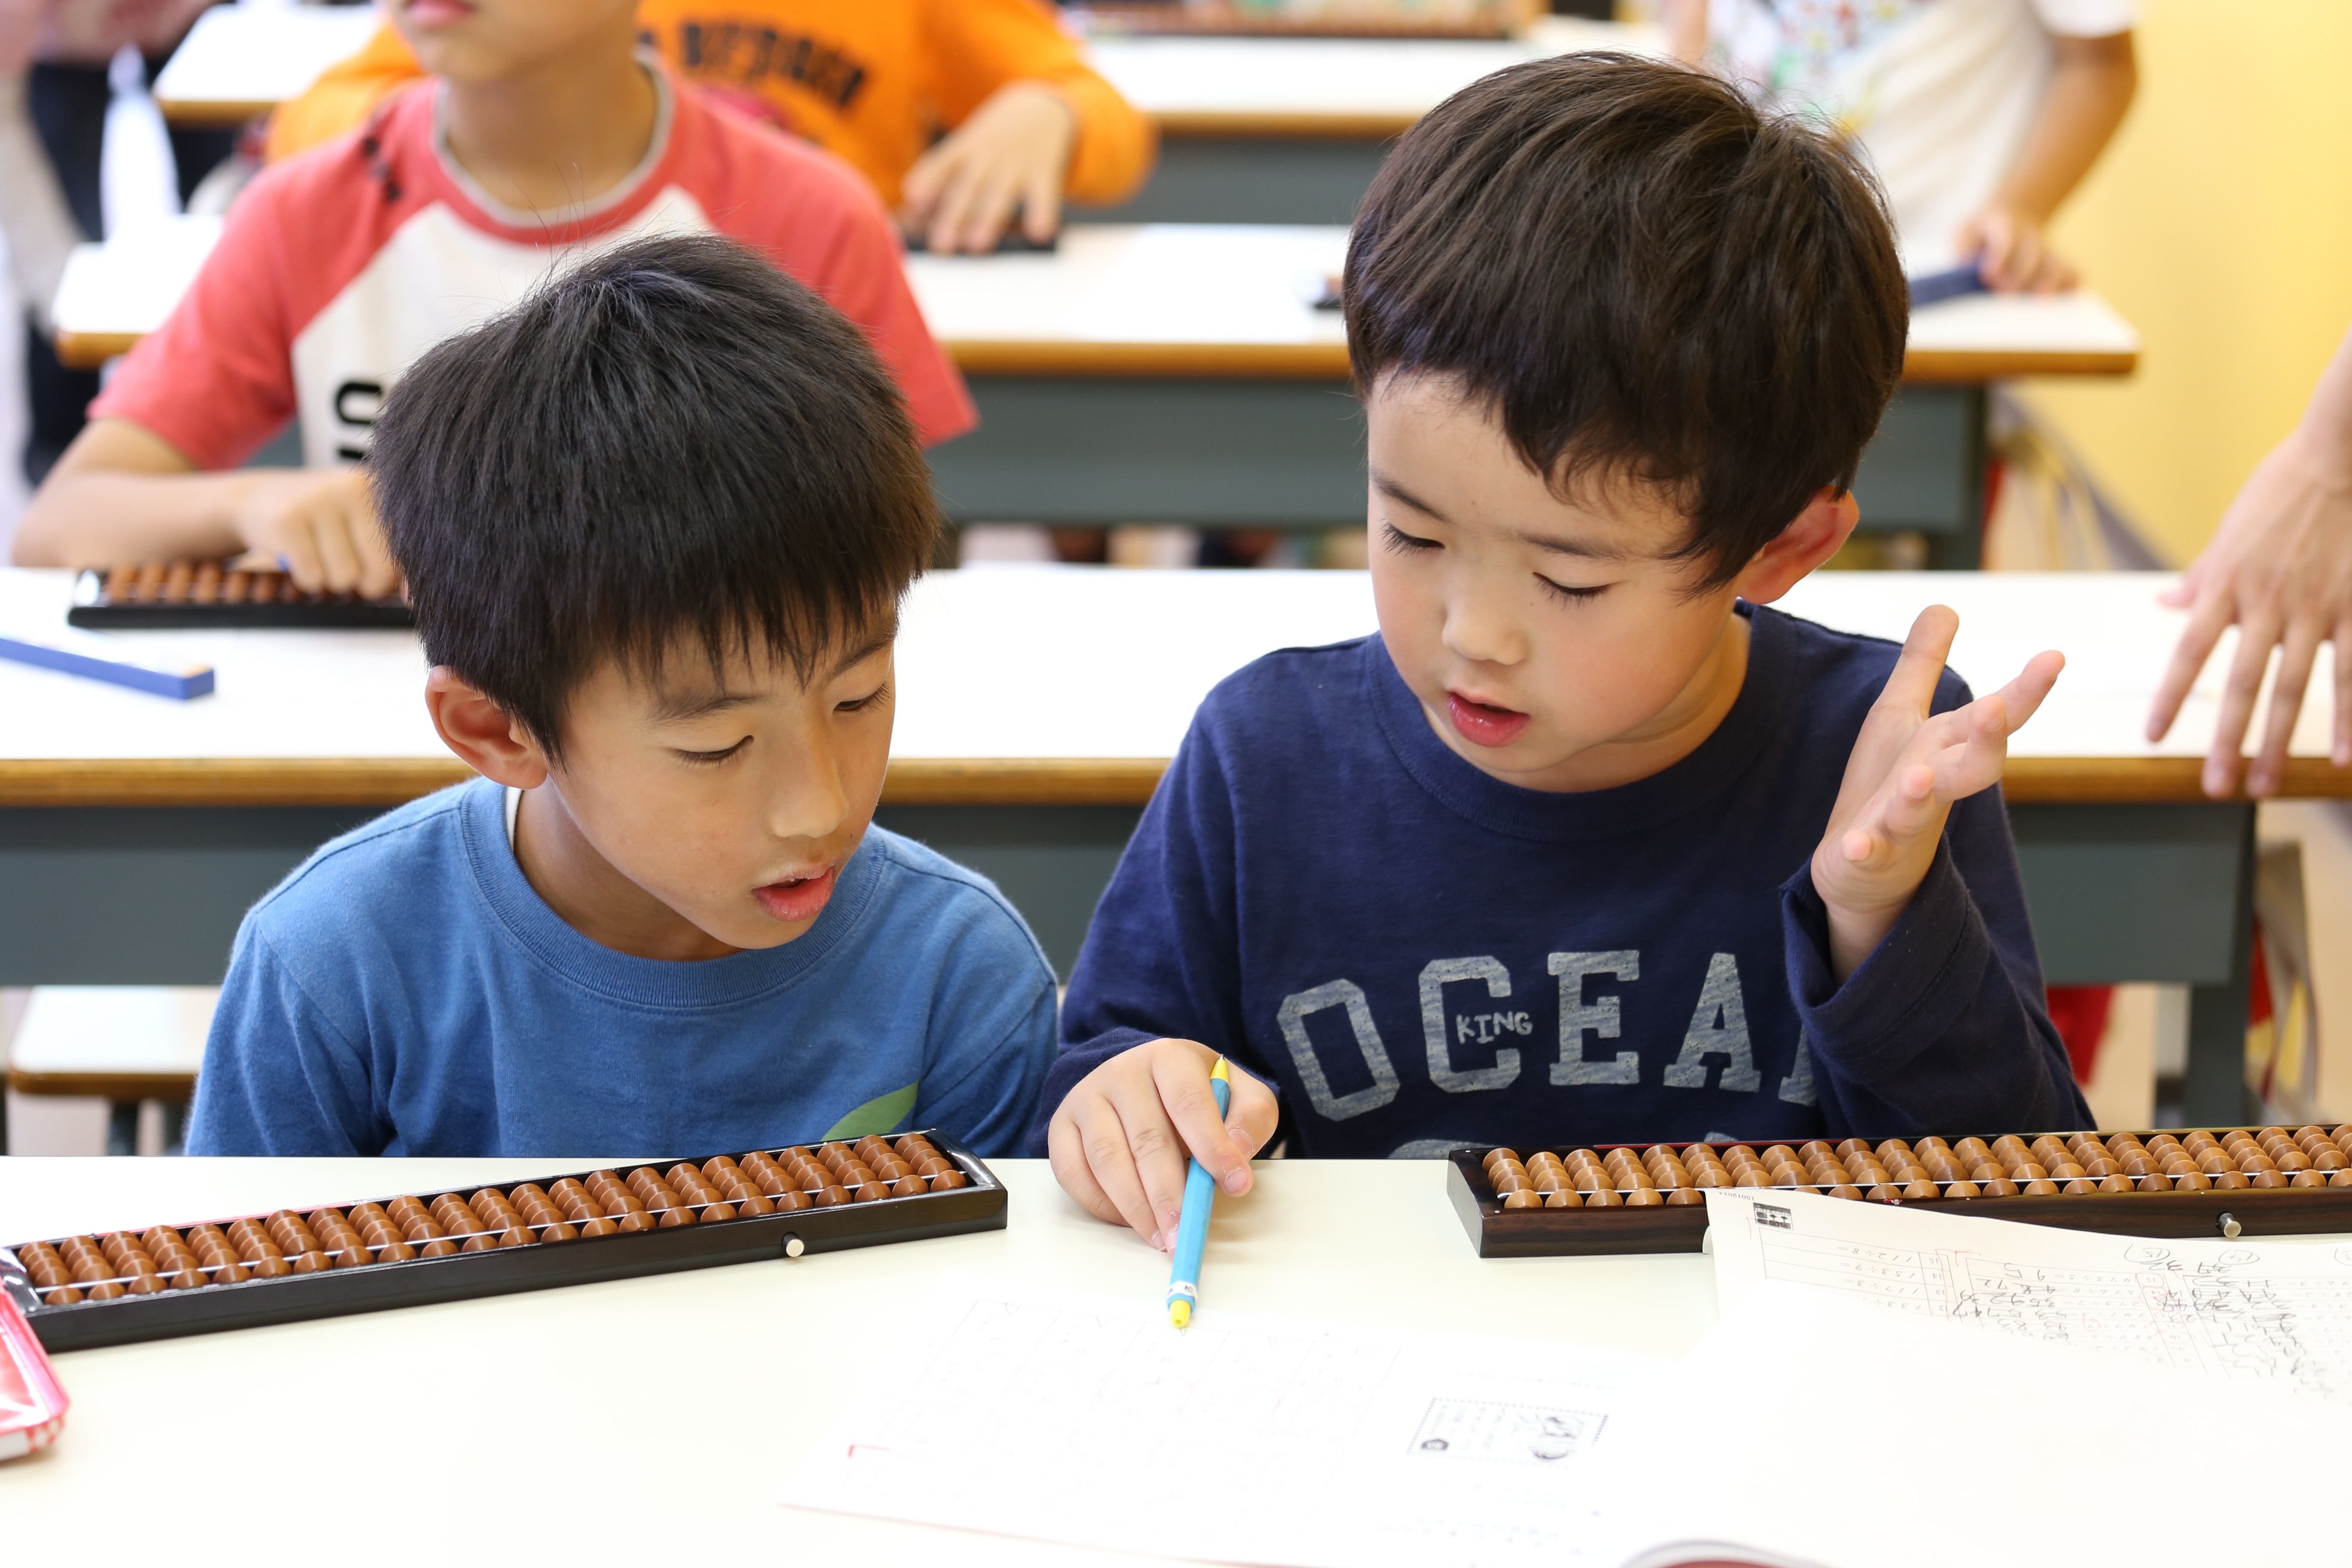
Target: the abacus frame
pixel 95 607
pixel 541 1266
pixel 1497 1232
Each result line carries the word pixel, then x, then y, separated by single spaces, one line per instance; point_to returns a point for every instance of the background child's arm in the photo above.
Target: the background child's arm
pixel 1033 122
pixel 2090 88
pixel 122 493
pixel 2281 571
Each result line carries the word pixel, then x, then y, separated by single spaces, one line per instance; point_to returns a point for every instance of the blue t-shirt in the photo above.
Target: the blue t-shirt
pixel 406 991
pixel 1419 956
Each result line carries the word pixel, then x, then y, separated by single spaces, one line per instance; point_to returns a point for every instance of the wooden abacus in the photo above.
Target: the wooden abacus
pixel 182 595
pixel 115 1287
pixel 1637 1198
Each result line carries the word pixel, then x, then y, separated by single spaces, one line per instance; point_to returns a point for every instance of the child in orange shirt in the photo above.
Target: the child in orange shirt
pixel 871 80
pixel 547 136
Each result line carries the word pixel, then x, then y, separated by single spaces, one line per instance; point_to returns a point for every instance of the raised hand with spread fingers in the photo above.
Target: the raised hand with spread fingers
pixel 1907 768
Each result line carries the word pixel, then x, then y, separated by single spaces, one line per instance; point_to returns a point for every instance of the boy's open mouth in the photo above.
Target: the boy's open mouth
pixel 1483 723
pixel 796 897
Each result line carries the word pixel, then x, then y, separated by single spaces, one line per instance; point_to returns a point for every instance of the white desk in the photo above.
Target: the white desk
pixel 653 1420
pixel 1327 87
pixel 240 61
pixel 1155 300
pixel 988 685
pixel 1038 707
pixel 243 60
pixel 1179 373
pixel 1254 129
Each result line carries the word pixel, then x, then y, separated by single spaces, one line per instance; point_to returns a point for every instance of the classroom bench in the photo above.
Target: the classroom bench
pixel 515 1408
pixel 1037 708
pixel 1180 373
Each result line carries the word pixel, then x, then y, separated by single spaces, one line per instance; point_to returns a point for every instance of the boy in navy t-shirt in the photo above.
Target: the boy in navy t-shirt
pixel 1564 855
pixel 656 522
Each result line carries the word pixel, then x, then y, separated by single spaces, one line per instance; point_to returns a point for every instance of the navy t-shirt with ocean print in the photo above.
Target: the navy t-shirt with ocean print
pixel 1421 956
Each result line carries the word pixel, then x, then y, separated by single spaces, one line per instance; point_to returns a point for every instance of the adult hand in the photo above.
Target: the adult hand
pixel 1907 768
pixel 321 525
pixel 2280 570
pixel 1120 1140
pixel 1012 152
pixel 2012 253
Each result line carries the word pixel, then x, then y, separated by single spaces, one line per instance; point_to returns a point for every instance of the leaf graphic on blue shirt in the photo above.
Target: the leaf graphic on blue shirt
pixel 886 1114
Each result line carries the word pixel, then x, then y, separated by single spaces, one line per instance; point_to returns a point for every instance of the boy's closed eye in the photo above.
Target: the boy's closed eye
pixel 712 759
pixel 877 697
pixel 1397 539
pixel 1572 595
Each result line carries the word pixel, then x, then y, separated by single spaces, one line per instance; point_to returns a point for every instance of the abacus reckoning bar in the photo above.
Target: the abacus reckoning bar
pixel 181 595
pixel 1635 1198
pixel 83 1291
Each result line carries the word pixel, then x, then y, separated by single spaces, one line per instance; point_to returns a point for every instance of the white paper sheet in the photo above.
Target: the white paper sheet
pixel 2261 1311
pixel 1087 1418
pixel 1806 1429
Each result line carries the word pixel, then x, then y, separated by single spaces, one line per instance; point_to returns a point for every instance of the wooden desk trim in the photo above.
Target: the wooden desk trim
pixel 105 1085
pixel 213 112
pixel 1287 125
pixel 1947 367
pixel 89 351
pixel 1328 362
pixel 941 780
pixel 1135 360
pixel 1272 362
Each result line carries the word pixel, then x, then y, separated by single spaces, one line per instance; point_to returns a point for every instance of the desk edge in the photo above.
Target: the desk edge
pixel 938 781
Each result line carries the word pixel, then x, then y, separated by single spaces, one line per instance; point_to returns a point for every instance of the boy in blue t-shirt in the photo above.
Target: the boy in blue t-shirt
pixel 655 520
pixel 1564 855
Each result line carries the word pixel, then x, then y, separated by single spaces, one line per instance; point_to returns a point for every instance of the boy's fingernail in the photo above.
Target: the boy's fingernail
pixel 1237 1178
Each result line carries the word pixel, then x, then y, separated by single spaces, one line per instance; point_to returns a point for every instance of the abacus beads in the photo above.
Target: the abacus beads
pixel 1895 1170
pixel 604 1203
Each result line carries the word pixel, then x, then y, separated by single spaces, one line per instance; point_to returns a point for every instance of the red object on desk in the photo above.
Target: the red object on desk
pixel 32 1401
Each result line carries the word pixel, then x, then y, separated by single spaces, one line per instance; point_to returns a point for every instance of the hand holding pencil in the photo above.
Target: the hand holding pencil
pixel 1122 1138
pixel 1192 1227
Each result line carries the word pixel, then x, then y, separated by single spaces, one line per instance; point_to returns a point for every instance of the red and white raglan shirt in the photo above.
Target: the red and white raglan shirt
pixel 336 269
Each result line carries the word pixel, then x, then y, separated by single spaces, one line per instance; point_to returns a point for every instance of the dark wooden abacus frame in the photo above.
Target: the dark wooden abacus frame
pixel 1498 1232
pixel 96 608
pixel 541 1266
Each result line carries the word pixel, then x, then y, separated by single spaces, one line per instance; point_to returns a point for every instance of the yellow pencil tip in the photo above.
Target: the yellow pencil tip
pixel 1219 1071
pixel 1179 1313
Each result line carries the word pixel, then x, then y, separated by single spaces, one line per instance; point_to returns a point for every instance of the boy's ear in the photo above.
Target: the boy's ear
pixel 482 734
pixel 1804 544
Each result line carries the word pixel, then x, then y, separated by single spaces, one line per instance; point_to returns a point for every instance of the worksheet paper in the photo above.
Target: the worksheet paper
pixel 1805 1428
pixel 1064 1417
pixel 2257 1311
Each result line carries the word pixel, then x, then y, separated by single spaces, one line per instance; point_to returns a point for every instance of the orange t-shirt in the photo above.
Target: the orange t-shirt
pixel 870 80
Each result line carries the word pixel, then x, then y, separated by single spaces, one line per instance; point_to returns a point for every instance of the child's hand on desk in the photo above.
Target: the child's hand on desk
pixel 1012 151
pixel 1122 1139
pixel 1906 770
pixel 2013 254
pixel 322 525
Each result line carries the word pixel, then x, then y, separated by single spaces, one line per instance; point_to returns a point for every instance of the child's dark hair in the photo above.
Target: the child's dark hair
pixel 669 440
pixel 1641 278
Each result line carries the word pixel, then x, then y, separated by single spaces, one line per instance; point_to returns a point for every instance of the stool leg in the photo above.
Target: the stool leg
pixel 175 1125
pixel 122 1127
